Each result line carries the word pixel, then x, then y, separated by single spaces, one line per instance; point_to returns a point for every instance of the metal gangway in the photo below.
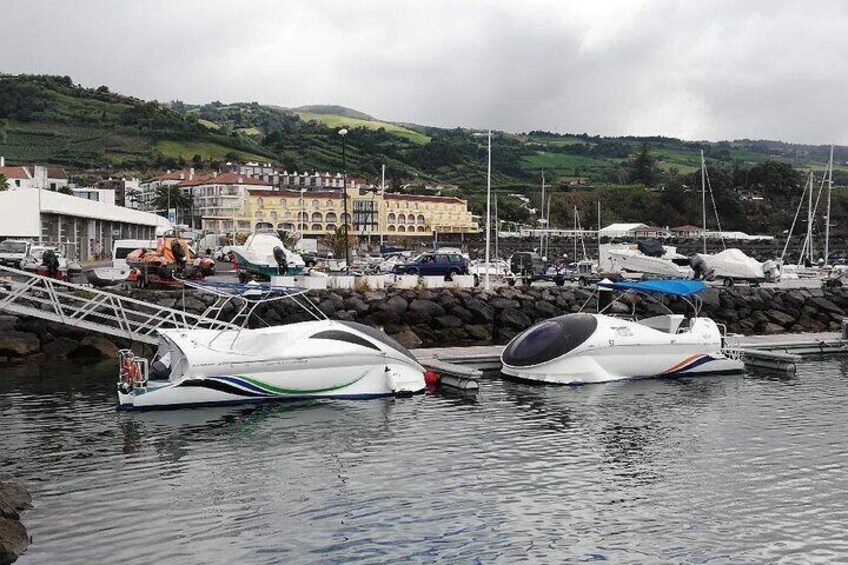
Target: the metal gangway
pixel 28 294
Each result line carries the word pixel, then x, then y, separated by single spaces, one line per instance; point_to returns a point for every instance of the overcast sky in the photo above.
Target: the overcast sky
pixel 692 69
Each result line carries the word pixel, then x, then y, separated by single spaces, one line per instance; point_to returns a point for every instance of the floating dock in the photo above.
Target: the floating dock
pixel 778 352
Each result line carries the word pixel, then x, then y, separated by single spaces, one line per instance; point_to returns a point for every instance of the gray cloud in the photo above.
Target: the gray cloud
pixel 699 70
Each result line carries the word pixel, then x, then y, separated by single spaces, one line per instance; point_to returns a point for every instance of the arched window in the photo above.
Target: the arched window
pixel 391 228
pixel 410 219
pixel 316 227
pixel 329 203
pixel 392 217
pixel 402 228
pixel 420 219
pixel 288 215
pixel 421 228
pixel 314 204
pixel 302 217
pixel 402 218
pixel 331 227
pixel 345 218
pixel 331 217
pixel 317 217
pixel 285 226
pixel 274 215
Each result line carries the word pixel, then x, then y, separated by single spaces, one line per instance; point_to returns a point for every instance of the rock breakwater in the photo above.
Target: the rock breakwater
pixel 447 317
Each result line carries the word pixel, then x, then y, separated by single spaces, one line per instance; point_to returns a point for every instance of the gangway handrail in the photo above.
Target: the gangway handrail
pixel 97 310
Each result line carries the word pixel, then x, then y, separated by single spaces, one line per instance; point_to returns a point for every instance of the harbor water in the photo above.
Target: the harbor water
pixel 714 469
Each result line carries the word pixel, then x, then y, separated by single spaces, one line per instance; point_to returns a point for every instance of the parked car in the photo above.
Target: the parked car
pixel 434 264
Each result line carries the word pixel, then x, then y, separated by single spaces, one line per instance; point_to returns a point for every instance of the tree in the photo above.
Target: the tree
pixel 171 196
pixel 643 167
pixel 197 161
pixel 65 190
pixel 4 182
pixel 335 241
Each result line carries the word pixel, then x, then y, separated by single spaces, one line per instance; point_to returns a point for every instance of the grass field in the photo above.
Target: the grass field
pixel 334 121
pixel 209 151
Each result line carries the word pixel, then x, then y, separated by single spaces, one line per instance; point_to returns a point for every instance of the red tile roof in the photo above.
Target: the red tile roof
pixel 309 194
pixel 424 198
pixel 15 172
pixel 56 173
pixel 223 178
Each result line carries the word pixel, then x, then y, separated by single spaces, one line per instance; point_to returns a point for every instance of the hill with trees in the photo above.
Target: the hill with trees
pixel 94 132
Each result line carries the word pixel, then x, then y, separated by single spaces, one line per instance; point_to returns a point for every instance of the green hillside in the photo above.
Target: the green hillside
pixel 93 131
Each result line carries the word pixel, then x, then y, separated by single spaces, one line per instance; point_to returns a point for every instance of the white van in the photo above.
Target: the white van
pixel 13 251
pixel 123 247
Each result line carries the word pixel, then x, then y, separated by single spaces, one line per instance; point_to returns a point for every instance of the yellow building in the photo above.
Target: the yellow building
pixel 320 212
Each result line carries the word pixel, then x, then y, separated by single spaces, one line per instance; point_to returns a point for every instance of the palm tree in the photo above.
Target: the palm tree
pixel 335 241
pixel 171 197
pixel 4 182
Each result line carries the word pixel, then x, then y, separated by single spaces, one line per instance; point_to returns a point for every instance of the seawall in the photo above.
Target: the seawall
pixel 431 318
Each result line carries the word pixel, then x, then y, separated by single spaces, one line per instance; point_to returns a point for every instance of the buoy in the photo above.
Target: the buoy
pixel 431 378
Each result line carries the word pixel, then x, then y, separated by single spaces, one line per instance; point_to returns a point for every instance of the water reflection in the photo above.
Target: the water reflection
pixel 700 469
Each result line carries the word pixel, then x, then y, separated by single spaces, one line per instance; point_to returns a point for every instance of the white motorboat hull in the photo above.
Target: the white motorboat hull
pixel 617 349
pixel 623 259
pixel 321 359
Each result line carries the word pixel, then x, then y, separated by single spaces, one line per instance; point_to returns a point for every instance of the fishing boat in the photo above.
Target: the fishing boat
pixel 321 358
pixel 263 256
pixel 586 348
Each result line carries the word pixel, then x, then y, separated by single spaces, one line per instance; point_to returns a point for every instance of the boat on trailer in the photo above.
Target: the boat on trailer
pixel 322 358
pixel 585 348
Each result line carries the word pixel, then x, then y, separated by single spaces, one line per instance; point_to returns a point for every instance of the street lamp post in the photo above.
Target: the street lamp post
pixel 486 284
pixel 343 133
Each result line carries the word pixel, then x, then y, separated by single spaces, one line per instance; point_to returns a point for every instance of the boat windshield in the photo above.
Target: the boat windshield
pixel 549 340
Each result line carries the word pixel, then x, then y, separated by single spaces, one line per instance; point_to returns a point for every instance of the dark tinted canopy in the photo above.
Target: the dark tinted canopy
pixel 549 340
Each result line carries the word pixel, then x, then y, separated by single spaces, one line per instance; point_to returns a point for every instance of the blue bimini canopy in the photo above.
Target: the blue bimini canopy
pixel 676 287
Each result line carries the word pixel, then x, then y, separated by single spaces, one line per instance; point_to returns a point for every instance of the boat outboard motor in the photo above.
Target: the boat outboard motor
pixel 771 270
pixel 51 262
pixel 700 268
pixel 280 258
pixel 179 255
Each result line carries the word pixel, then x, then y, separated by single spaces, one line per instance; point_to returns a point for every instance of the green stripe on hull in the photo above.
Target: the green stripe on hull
pixel 278 390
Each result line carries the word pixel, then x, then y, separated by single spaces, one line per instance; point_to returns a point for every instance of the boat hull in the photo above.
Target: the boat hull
pixel 594 348
pixel 357 382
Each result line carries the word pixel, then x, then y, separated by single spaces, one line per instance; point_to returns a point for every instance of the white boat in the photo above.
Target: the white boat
pixel 587 348
pixel 264 255
pixel 734 265
pixel 316 359
pixel 653 260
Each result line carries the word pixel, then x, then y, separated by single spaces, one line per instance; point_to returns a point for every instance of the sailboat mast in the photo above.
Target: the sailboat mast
pixel 827 217
pixel 575 233
pixel 810 221
pixel 497 228
pixel 542 216
pixel 599 230
pixel 704 198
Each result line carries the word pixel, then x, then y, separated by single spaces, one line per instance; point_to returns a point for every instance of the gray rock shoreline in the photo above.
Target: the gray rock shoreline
pixel 14 539
pixel 448 317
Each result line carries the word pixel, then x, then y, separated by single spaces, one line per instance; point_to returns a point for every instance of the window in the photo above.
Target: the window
pixel 316 227
pixel 421 228
pixel 392 217
pixel 420 219
pixel 329 203
pixel 282 202
pixel 261 202
pixel 314 204
pixel 317 217
pixel 331 227
pixel 391 228
pixel 401 229
pixel 331 217
pixel 402 218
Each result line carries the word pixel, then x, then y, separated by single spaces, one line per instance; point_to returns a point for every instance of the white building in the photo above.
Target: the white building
pixel 104 195
pixel 82 229
pixel 148 189
pixel 218 196
pixel 621 230
pixel 37 176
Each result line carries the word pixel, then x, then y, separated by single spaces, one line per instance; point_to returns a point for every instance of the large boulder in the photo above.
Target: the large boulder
pixel 515 318
pixel 95 347
pixel 447 322
pixel 827 306
pixel 18 344
pixel 780 318
pixel 504 303
pixel 479 333
pixel 14 539
pixel 59 347
pixel 463 314
pixel 426 306
pixel 407 338
pixel 7 322
pixel 768 328
pixel 482 312
pixel 546 309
